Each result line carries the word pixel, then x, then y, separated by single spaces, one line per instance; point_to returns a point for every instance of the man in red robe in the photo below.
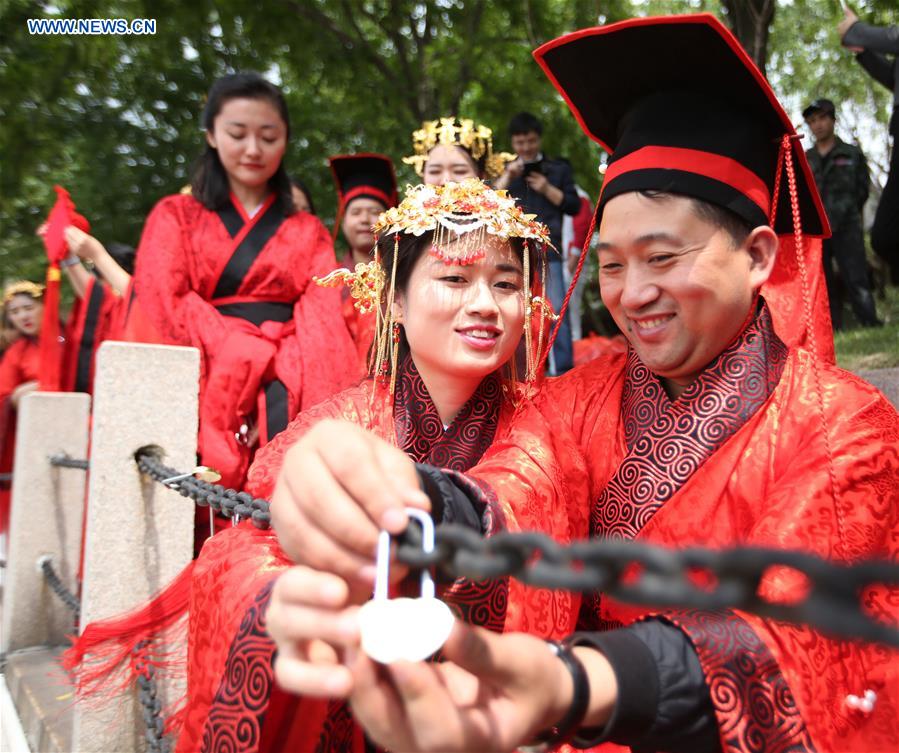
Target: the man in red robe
pixel 723 425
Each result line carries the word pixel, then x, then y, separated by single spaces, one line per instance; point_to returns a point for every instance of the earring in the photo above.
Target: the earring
pixel 394 355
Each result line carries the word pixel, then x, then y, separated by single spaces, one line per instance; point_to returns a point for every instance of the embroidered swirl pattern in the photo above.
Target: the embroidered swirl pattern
pixel 419 430
pixel 338 730
pixel 753 703
pixel 669 440
pixel 238 711
pixel 241 702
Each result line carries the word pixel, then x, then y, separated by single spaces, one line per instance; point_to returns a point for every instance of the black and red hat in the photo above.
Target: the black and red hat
pixel 683 109
pixel 364 175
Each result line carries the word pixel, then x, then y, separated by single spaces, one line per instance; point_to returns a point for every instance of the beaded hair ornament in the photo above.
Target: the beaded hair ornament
pixel 461 216
pixel 476 139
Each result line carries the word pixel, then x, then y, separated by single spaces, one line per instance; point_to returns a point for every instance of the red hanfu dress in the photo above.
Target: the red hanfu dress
pixel 240 289
pixel 19 364
pixel 738 459
pixel 232 700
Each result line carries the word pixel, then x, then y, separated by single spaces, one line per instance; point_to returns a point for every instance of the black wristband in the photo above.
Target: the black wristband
pixel 580 700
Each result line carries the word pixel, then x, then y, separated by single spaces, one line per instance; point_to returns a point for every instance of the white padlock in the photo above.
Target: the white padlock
pixel 404 629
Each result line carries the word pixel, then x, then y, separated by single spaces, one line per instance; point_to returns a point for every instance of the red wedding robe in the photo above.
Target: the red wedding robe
pixel 89 324
pixel 19 364
pixel 240 289
pixel 738 459
pixel 230 689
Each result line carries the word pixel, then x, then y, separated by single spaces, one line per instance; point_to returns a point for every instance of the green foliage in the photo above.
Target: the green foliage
pixel 872 348
pixel 116 119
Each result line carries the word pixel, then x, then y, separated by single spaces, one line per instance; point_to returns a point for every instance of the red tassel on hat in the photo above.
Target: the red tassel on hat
pixel 61 216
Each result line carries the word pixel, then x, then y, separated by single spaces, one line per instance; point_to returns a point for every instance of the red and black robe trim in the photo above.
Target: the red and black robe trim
pixel 419 429
pixel 242 701
pixel 264 227
pixel 754 706
pixel 84 337
pixel 238 711
pixel 231 218
pixel 668 440
pixel 251 237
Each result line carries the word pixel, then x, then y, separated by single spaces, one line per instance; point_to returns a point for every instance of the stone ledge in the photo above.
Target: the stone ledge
pixel 43 698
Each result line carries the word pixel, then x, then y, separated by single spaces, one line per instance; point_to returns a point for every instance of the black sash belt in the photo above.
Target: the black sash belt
pixel 257 312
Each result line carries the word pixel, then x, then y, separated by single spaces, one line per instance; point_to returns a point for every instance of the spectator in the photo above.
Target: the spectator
pixel 544 187
pixel 841 173
pixel 574 235
pixel 302 198
pixel 872 46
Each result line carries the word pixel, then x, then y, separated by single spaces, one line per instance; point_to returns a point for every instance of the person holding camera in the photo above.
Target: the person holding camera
pixel 544 187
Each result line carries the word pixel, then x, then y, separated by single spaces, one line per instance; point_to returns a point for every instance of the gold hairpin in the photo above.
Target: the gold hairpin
pixel 365 282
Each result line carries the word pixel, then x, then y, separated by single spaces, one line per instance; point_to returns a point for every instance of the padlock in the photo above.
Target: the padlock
pixel 404 629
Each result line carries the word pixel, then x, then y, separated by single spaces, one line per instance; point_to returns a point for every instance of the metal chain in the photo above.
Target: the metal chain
pixel 627 571
pixel 694 578
pixel 152 707
pixel 64 461
pixel 229 502
pixel 45 563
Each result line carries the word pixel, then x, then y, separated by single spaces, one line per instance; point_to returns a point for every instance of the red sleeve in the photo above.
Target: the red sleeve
pixel 351 405
pixel 163 283
pixel 784 687
pixel 11 369
pixel 329 359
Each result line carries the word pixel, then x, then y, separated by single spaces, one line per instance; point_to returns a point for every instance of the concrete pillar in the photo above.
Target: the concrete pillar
pixel 139 535
pixel 46 518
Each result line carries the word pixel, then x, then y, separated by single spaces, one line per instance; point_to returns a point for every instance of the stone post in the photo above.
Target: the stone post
pixel 46 517
pixel 139 535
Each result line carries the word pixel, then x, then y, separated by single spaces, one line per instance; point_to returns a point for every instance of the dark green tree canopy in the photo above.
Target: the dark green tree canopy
pixel 115 119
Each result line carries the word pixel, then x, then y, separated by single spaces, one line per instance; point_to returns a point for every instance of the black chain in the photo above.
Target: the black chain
pixel 152 706
pixel 628 571
pixel 58 587
pixel 229 502
pixel 638 573
pixel 64 461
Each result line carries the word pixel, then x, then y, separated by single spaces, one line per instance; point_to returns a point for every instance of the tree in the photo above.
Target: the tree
pixel 750 20
pixel 117 119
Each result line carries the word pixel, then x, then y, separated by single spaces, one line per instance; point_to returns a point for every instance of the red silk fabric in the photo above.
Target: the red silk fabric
pixel 18 364
pixel 236 567
pixel 768 485
pixel 182 253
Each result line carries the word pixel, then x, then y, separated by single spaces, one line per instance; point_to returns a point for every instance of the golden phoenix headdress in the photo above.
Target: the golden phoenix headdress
pixel 460 215
pixel 476 139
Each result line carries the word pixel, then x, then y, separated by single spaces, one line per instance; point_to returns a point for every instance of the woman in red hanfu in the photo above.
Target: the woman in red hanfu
pixel 446 344
pixel 455 149
pixel 228 269
pixel 452 306
pixel 19 372
pixel 99 300
pixel 366 187
pixel 724 424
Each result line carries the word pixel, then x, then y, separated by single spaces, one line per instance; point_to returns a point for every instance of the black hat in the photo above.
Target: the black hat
pixel 368 175
pixel 689 113
pixel 820 105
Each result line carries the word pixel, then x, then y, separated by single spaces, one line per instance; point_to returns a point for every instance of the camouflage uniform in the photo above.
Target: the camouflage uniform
pixel 842 178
